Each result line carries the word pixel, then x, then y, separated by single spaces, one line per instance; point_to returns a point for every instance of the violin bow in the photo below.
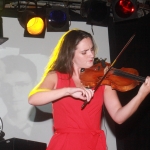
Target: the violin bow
pixel 104 76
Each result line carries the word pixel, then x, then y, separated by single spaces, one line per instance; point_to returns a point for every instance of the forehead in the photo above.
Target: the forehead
pixel 85 43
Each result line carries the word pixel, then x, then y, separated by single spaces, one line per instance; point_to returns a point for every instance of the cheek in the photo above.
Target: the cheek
pixel 80 59
pixel 78 62
pixel 77 58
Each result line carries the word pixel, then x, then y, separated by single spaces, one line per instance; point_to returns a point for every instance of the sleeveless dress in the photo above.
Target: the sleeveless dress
pixel 76 129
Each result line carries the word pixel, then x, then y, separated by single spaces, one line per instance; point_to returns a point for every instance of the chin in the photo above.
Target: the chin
pixel 88 66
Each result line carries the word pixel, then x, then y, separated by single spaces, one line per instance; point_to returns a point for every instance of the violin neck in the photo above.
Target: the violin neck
pixel 128 75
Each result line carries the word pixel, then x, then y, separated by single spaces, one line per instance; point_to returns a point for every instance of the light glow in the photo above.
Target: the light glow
pixel 35 26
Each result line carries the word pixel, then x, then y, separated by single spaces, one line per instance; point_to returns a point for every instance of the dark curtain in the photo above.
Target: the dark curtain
pixel 134 134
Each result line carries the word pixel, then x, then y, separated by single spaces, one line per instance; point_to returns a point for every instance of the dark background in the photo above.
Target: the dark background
pixel 134 134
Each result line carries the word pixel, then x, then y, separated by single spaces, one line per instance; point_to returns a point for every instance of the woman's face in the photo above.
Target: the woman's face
pixel 84 54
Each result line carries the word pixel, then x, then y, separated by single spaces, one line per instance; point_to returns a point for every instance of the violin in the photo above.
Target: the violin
pixel 123 79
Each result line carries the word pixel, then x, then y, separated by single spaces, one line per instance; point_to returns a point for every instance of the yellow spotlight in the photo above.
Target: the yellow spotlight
pixel 35 26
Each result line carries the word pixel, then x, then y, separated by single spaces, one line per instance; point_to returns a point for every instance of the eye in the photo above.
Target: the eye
pixel 84 52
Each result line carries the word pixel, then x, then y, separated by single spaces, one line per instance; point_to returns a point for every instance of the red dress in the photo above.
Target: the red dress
pixel 77 129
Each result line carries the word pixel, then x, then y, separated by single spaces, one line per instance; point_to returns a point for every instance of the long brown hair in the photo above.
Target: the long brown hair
pixel 64 59
pixel 61 59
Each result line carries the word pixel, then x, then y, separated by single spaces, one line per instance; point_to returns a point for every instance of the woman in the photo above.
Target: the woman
pixel 74 128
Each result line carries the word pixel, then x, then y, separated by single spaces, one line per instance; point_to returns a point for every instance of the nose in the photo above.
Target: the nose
pixel 91 53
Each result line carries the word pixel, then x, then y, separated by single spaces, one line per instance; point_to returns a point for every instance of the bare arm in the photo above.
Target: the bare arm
pixel 118 113
pixel 42 97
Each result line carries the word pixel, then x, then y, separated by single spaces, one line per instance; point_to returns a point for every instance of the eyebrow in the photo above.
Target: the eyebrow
pixel 87 49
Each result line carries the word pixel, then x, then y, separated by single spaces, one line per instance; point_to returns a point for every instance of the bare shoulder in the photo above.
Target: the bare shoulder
pixel 107 88
pixel 50 81
pixel 51 74
pixel 109 93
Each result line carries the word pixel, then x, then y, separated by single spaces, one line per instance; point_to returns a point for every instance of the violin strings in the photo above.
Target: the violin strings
pixel 128 75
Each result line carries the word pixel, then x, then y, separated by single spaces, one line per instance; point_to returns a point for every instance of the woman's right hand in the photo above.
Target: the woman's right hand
pixel 81 93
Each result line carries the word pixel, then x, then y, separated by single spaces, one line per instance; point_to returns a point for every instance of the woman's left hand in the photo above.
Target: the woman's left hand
pixel 145 88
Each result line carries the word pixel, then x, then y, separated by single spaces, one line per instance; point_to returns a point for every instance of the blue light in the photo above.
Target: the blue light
pixel 57 18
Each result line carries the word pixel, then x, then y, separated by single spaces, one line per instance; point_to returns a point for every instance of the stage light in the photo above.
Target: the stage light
pixel 98 13
pixel 33 24
pixel 2 39
pixel 57 19
pixel 124 10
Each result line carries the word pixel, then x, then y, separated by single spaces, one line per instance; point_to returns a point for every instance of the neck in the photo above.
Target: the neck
pixel 76 72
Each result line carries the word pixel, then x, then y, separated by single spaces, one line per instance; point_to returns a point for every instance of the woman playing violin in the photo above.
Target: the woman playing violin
pixel 74 128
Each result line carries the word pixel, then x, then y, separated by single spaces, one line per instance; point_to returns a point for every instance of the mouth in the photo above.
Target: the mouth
pixel 91 61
